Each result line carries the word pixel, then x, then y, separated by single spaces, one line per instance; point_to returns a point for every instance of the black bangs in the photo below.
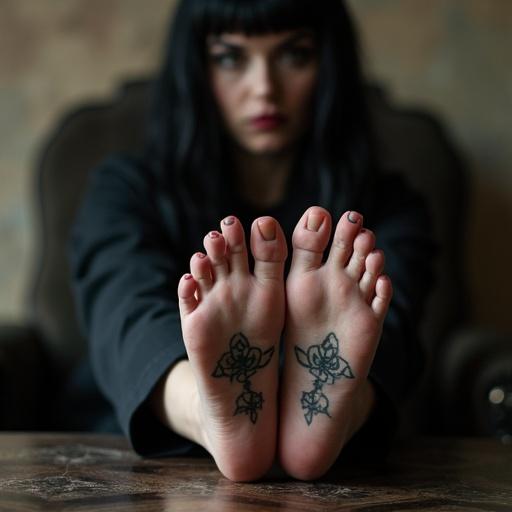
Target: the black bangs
pixel 253 17
pixel 187 142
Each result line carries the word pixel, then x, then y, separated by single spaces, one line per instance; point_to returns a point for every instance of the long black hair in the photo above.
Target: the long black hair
pixel 187 144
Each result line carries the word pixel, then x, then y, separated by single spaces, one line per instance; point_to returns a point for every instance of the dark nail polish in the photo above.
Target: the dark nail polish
pixel 229 221
pixel 353 217
pixel 188 276
pixel 213 234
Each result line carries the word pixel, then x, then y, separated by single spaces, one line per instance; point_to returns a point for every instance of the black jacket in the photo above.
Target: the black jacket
pixel 128 252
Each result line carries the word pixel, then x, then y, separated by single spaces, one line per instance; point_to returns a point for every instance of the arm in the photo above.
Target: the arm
pixel 401 223
pixel 125 270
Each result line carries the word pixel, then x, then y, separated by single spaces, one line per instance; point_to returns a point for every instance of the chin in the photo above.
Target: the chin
pixel 268 147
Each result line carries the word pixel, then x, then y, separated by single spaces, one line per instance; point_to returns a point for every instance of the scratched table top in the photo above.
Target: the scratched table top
pixel 60 472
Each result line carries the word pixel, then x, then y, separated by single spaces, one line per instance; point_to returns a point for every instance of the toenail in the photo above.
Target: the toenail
pixel 228 221
pixel 213 234
pixel 353 217
pixel 188 276
pixel 200 255
pixel 314 221
pixel 267 229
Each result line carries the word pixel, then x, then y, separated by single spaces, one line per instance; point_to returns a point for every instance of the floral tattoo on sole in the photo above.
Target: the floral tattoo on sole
pixel 325 364
pixel 240 364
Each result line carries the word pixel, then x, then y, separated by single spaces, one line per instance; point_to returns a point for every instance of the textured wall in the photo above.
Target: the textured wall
pixel 449 55
pixel 453 56
pixel 53 54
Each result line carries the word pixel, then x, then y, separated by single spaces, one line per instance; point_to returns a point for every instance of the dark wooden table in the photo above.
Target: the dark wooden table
pixel 90 473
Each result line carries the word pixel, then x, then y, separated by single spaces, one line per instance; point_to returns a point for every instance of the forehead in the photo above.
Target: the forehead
pixel 261 41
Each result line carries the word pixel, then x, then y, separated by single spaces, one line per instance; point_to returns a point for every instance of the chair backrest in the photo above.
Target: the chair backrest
pixel 82 139
pixel 410 141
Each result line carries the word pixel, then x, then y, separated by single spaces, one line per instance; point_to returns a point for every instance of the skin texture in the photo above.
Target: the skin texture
pixel 222 306
pixel 232 320
pixel 334 317
pixel 270 74
pixel 252 76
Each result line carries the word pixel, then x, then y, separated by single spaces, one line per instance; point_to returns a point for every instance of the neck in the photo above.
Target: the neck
pixel 261 180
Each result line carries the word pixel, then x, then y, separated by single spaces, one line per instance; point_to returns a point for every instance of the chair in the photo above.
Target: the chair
pixel 37 358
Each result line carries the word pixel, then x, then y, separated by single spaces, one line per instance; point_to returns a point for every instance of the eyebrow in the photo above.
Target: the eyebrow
pixel 218 40
pixel 298 36
pixel 289 41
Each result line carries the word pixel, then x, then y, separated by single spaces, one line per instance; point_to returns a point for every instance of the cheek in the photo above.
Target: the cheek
pixel 225 95
pixel 301 91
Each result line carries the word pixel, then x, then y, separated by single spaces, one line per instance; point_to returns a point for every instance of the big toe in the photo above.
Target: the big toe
pixel 268 246
pixel 310 238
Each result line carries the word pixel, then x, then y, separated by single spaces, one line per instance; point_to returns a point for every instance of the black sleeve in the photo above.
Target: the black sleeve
pixel 125 272
pixel 400 220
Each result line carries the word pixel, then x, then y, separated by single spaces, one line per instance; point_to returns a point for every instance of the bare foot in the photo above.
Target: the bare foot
pixel 335 313
pixel 232 322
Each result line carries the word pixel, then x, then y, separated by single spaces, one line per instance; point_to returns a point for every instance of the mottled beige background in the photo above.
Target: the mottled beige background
pixel 450 55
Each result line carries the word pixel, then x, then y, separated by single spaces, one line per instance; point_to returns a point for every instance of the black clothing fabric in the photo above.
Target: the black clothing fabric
pixel 128 251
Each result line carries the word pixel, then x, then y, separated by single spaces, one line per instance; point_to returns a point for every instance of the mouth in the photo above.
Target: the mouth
pixel 267 122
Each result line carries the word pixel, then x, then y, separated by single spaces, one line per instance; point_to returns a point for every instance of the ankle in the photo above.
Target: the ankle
pixel 177 405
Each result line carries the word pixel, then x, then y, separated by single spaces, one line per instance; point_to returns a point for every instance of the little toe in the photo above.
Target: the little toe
pixel 383 295
pixel 201 270
pixel 347 229
pixel 215 246
pixel 364 243
pixel 236 250
pixel 187 299
pixel 310 238
pixel 374 266
pixel 268 246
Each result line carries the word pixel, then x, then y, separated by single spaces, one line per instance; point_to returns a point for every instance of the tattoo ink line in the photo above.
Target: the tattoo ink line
pixel 240 363
pixel 325 364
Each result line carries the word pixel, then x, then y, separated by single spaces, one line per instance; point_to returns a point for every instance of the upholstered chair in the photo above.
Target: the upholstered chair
pixel 464 366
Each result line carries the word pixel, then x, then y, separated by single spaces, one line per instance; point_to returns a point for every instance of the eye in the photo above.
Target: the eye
pixel 228 60
pixel 297 56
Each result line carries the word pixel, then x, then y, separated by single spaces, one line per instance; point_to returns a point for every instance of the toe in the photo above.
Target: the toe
pixel 383 294
pixel 310 238
pixel 236 250
pixel 215 246
pixel 374 266
pixel 363 245
pixel 187 288
pixel 347 229
pixel 268 246
pixel 201 270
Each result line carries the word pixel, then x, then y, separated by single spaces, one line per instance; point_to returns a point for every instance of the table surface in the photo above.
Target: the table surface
pixel 92 472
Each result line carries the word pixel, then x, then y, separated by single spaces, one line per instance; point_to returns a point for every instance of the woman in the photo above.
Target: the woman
pixel 259 113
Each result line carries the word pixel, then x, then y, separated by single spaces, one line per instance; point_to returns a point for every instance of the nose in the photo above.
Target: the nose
pixel 262 79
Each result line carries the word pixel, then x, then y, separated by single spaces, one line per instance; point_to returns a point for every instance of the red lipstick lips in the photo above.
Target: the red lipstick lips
pixel 267 122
